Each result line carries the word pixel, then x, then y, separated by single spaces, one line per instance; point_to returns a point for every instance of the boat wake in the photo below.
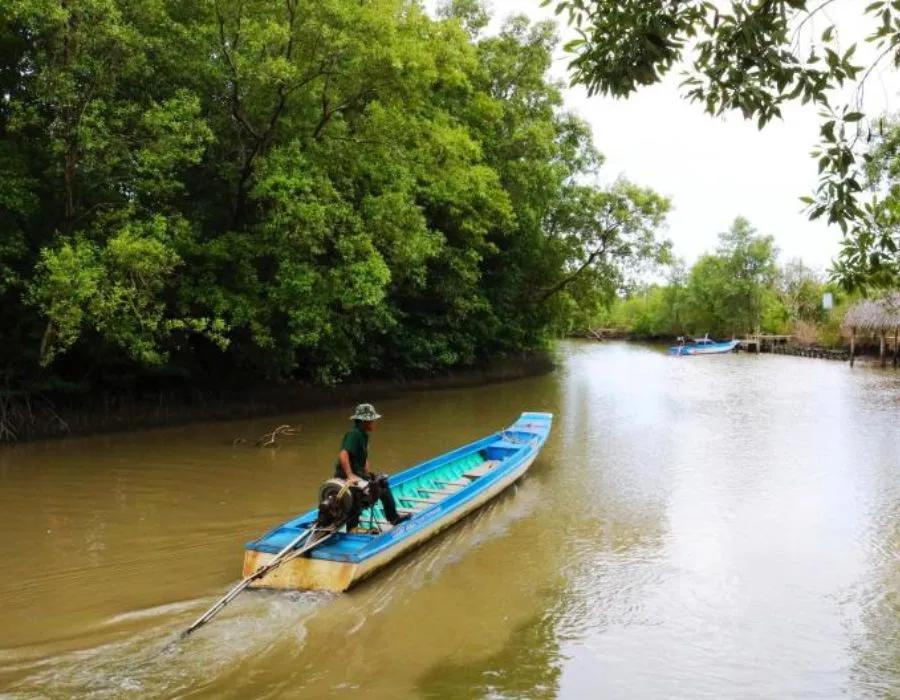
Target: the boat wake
pixel 153 662
pixel 156 611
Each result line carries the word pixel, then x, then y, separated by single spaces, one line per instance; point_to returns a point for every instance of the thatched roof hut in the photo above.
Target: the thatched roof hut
pixel 874 315
pixel 879 316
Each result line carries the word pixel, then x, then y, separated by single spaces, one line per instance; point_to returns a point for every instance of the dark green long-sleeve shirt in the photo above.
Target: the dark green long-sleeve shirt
pixel 356 442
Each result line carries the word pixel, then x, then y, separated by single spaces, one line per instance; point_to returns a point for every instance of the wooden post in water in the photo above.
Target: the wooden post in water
pixel 896 332
pixel 852 344
pixel 881 349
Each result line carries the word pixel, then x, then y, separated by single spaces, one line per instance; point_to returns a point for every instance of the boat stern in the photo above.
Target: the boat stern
pixel 302 573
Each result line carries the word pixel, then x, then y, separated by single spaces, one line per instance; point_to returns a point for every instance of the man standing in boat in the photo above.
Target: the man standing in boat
pixel 353 465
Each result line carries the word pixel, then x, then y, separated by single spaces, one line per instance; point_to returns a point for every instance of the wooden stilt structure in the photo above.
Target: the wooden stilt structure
pixel 875 317
pixel 896 333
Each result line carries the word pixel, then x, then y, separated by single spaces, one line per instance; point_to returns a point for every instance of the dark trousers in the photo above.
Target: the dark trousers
pixel 387 502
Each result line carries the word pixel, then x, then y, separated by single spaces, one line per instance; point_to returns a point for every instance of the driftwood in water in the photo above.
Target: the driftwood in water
pixel 270 439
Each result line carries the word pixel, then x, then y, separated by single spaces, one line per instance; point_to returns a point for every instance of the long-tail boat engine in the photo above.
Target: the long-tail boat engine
pixel 335 503
pixel 337 499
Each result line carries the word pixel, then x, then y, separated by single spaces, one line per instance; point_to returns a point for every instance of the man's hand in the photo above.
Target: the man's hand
pixel 349 476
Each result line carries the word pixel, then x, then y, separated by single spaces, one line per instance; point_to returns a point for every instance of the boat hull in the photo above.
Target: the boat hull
pixel 712 349
pixel 307 573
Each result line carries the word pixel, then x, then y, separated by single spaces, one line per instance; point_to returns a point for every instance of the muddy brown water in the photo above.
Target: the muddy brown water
pixel 720 527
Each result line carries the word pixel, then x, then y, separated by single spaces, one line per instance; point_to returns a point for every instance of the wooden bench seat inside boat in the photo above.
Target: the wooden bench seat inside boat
pixel 417 495
pixel 457 483
pixel 442 492
pixel 481 469
pixel 416 499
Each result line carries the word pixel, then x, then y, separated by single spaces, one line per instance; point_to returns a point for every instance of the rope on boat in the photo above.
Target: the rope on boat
pixel 291 551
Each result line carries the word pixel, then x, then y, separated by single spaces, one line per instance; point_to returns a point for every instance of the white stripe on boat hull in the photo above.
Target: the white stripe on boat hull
pixel 306 573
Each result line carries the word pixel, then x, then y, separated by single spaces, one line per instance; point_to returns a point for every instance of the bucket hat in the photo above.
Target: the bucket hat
pixel 365 412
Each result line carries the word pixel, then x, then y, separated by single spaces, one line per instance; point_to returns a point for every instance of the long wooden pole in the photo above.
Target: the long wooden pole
pixel 852 345
pixel 289 552
pixel 881 350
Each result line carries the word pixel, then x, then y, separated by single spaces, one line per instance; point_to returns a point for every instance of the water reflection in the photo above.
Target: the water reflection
pixel 529 665
pixel 873 608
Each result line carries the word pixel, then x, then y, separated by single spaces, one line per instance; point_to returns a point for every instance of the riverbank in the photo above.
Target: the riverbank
pixel 25 417
pixel 866 353
pixel 814 351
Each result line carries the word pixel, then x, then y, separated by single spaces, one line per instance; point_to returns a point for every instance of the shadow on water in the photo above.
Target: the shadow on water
pixel 875 648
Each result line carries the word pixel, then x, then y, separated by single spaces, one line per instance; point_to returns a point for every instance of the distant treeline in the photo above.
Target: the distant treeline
pixel 737 290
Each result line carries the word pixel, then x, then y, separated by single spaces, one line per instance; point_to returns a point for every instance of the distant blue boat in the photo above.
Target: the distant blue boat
pixel 703 346
pixel 436 494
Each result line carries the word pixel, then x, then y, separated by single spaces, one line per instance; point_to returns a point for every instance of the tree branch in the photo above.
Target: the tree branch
pixel 809 15
pixel 236 110
pixel 568 279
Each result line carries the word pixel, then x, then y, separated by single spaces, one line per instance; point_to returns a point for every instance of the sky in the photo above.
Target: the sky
pixel 715 169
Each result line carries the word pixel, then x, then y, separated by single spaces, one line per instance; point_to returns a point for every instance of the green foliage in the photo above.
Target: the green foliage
pixel 734 291
pixel 725 293
pixel 774 315
pixel 748 269
pixel 869 257
pixel 755 57
pixel 114 289
pixel 297 189
pixel 646 313
pixel 801 290
pixel 829 333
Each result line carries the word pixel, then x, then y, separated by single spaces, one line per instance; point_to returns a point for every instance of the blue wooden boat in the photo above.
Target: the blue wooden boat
pixel 703 346
pixel 436 493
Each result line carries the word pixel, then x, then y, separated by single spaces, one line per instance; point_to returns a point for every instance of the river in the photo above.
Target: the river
pixel 719 527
